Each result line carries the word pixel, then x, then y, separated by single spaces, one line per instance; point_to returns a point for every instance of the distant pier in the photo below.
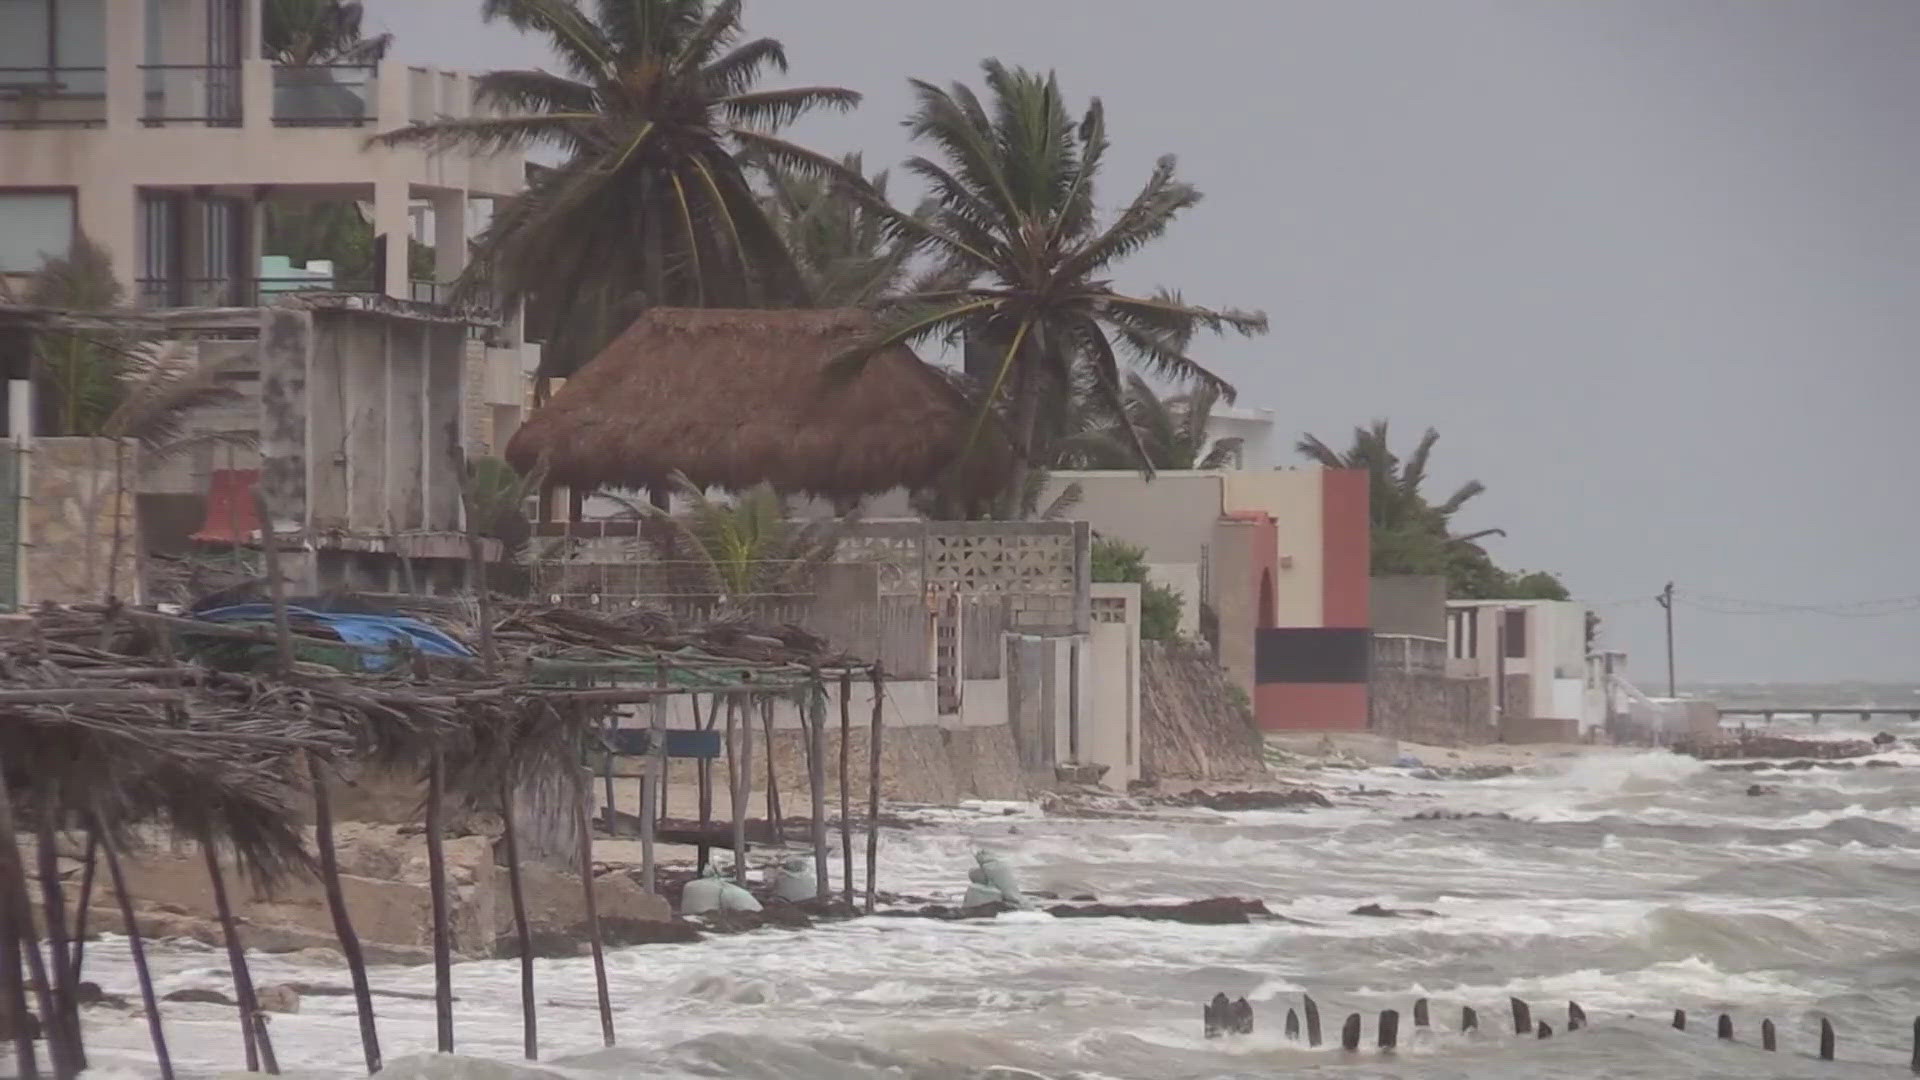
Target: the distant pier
pixel 1864 713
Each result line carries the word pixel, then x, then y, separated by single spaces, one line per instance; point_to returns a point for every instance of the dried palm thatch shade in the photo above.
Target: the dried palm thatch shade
pixel 735 398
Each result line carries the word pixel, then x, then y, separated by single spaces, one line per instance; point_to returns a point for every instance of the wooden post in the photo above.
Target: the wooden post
pixel 13 989
pixel 145 977
pixel 1350 1033
pixel 276 585
pixel 817 785
pixel 1522 1017
pixel 1767 1038
pixel 1725 1029
pixel 64 1023
pixel 873 788
pixel 1679 1019
pixel 846 783
pixel 1469 1020
pixel 652 771
pixel 85 903
pixel 1826 1040
pixel 776 825
pixel 342 921
pixel 529 1018
pixel 1916 1046
pixel 437 896
pixel 20 939
pixel 592 904
pixel 1576 1016
pixel 1421 1018
pixel 606 773
pixel 706 785
pixel 1543 1031
pixel 1313 1021
pixel 253 1028
pixel 1389 1034
pixel 742 782
pixel 1293 1025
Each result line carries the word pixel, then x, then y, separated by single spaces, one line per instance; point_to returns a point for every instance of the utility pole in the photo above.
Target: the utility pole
pixel 1665 600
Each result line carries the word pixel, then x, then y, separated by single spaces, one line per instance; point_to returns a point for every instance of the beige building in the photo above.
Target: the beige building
pixel 157 129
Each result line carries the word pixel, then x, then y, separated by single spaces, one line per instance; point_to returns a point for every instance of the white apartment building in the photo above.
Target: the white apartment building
pixel 1534 655
pixel 157 129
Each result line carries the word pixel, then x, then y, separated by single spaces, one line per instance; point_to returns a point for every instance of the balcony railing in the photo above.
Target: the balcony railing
pixel 192 94
pixel 326 95
pixel 53 97
pixel 1410 654
pixel 237 292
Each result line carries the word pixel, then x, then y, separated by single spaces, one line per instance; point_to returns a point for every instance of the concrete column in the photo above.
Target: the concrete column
pixel 126 51
pixel 449 234
pixel 391 220
pixel 109 217
pixel 393 104
pixel 253 26
pixel 256 94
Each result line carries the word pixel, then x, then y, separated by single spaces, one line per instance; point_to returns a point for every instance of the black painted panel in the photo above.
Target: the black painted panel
pixel 1312 655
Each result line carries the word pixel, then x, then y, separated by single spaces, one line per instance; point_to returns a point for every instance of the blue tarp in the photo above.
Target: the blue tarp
pixel 379 631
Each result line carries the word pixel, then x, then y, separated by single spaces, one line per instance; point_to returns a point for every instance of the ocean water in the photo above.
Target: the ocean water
pixel 1632 882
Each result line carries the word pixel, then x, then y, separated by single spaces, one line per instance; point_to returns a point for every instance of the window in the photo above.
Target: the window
pixel 1463 633
pixel 1516 634
pixel 34 225
pixel 58 41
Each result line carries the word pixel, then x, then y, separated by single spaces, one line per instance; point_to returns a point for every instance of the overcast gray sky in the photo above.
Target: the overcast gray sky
pixel 1651 268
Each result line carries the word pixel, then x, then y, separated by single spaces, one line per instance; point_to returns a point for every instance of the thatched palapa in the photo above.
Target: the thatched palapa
pixel 734 398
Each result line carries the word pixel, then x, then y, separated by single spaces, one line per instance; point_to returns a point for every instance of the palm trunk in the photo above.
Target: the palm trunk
pixel 437 890
pixel 592 906
pixel 147 998
pixel 529 1019
pixel 1026 416
pixel 342 921
pixel 253 1028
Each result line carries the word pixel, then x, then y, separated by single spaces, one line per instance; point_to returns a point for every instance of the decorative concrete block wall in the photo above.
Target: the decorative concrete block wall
pixel 71 511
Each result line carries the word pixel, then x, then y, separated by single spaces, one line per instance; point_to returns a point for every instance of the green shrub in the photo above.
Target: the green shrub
pixel 1119 561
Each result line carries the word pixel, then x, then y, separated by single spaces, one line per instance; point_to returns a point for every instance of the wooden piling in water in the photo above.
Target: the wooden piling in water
pixel 1826 1040
pixel 776 823
pixel 1916 1046
pixel 1350 1033
pixel 1679 1019
pixel 1293 1024
pixel 1724 1030
pixel 437 897
pixel 817 785
pixel 1421 1018
pixel 873 787
pixel 1313 1021
pixel 1388 1036
pixel 253 1029
pixel 510 833
pixel 1543 1031
pixel 846 787
pixel 1576 1016
pixel 1522 1016
pixel 1469 1020
pixel 1767 1041
pixel 591 903
pixel 139 951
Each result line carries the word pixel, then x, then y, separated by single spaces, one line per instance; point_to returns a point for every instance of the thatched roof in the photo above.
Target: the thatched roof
pixel 735 398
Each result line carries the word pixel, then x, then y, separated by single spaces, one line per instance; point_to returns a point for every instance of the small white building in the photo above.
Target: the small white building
pixel 1254 429
pixel 1534 653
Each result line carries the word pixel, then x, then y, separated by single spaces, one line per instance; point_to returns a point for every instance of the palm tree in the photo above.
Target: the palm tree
pixel 1173 431
pixel 1022 265
pixel 311 33
pixel 745 546
pixel 1410 534
pixel 842 248
pixel 77 375
pixel 651 203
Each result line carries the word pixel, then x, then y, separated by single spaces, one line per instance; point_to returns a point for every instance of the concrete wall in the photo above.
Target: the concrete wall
pixel 72 508
pixel 1170 516
pixel 1414 604
pixel 1432 710
pixel 1112 725
pixel 1292 497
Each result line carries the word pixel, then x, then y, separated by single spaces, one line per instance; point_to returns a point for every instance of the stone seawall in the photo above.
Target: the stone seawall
pixel 1194 725
pixel 922 763
pixel 1432 710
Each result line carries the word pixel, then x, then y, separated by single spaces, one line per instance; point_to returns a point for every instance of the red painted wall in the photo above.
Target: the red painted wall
pixel 1311 706
pixel 1346 548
